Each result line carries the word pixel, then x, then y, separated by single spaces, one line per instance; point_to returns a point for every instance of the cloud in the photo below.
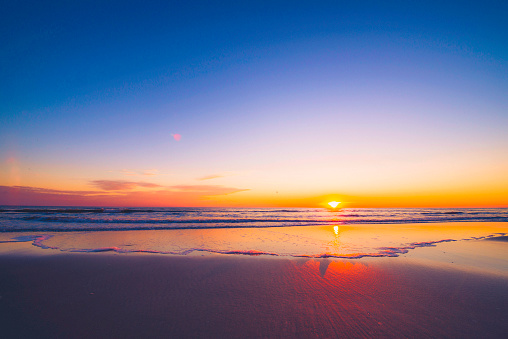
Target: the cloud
pixel 38 190
pixel 117 195
pixel 212 176
pixel 36 196
pixel 134 173
pixel 120 185
pixel 207 190
pixel 151 172
pixel 127 172
pixel 219 175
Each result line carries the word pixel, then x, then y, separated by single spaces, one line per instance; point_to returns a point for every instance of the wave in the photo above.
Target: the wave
pixel 441 213
pixel 170 221
pixel 235 220
pixel 53 210
pixel 86 210
pixel 129 210
pixel 142 228
pixel 66 219
pixel 141 210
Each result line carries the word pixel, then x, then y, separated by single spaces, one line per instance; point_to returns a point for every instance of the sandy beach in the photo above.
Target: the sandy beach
pixel 441 291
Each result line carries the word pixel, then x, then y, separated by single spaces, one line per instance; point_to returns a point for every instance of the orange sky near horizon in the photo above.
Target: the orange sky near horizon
pixel 477 185
pixel 130 194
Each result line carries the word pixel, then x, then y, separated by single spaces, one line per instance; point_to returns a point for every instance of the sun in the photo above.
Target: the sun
pixel 334 204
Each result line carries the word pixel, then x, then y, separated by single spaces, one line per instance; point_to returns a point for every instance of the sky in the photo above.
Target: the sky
pixel 254 103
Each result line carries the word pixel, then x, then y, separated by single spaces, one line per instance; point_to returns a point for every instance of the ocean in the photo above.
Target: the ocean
pixel 69 219
pixel 294 232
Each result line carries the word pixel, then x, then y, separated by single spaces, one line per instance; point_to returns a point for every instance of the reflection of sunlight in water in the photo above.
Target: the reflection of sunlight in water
pixel 336 245
pixel 345 241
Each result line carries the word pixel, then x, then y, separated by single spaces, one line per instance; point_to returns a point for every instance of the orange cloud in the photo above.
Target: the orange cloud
pixel 133 173
pixel 218 175
pixel 118 195
pixel 35 196
pixel 150 173
pixel 39 190
pixel 213 176
pixel 120 185
pixel 216 195
pixel 207 189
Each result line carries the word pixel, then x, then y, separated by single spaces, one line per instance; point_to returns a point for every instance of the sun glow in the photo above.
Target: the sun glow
pixel 333 204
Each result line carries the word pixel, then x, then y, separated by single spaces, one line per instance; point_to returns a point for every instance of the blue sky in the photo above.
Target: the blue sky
pixel 260 92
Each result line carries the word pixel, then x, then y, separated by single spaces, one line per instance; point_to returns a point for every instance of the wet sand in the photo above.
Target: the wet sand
pixel 426 293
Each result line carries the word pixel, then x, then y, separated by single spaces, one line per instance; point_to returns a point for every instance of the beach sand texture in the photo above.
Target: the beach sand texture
pixel 456 289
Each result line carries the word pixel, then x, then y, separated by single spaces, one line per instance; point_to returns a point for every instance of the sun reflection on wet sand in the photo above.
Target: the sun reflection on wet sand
pixel 424 293
pixel 344 241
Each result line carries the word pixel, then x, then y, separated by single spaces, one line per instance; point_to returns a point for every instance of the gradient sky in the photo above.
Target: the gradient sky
pixel 254 103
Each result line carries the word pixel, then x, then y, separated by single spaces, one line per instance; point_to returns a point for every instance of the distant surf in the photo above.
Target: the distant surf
pixel 72 219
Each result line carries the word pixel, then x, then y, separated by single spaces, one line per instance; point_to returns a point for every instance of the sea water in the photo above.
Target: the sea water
pixel 307 232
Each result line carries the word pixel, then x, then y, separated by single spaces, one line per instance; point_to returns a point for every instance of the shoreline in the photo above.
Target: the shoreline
pixel 445 289
pixel 79 295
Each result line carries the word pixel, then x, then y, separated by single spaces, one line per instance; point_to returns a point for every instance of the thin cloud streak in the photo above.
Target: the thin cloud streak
pixel 208 189
pixel 135 173
pixel 40 190
pixel 121 185
pixel 182 195
pixel 219 175
pixel 212 176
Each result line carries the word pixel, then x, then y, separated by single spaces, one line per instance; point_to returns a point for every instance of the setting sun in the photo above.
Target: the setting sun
pixel 334 204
